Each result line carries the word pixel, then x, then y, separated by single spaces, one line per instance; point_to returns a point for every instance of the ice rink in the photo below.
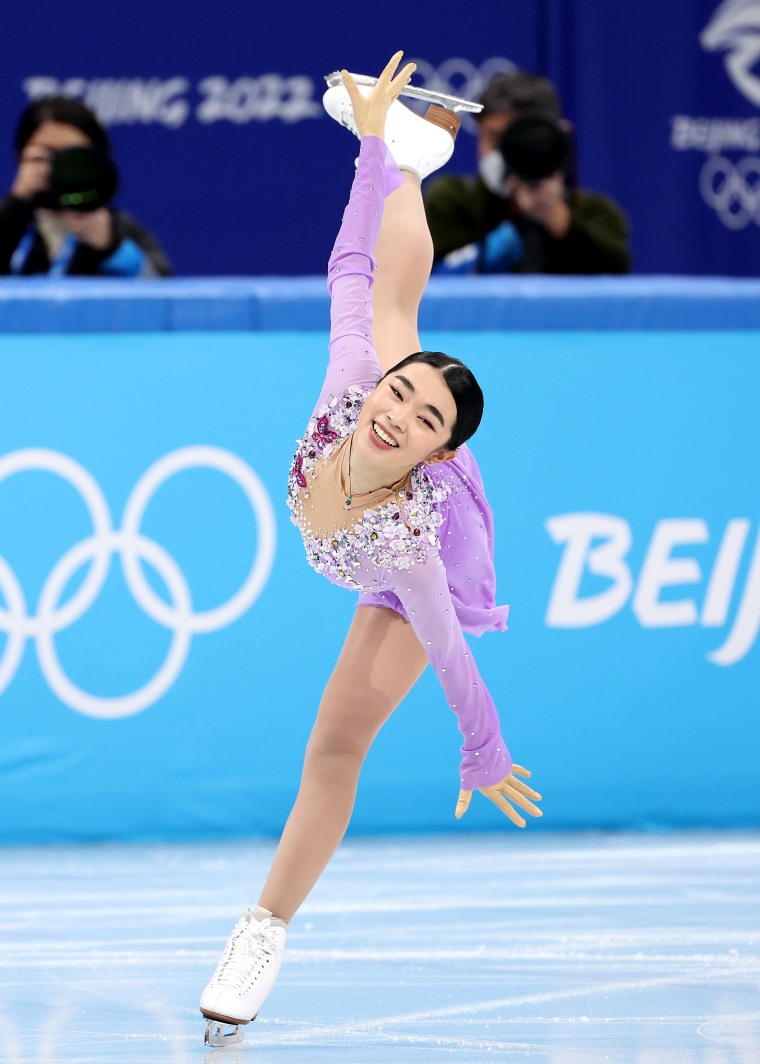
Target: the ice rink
pixel 569 949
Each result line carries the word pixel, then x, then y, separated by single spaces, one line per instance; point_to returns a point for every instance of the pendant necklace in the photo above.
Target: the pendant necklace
pixel 350 496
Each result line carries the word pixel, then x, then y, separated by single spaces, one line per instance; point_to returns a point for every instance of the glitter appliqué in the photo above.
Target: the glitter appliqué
pixel 391 537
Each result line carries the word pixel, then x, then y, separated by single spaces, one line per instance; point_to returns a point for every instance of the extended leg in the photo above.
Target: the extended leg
pixel 404 251
pixel 404 255
pixel 380 662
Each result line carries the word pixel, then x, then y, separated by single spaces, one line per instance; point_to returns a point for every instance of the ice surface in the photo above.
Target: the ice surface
pixel 567 949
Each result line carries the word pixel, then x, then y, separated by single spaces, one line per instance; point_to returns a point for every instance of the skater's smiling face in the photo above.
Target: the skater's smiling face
pixel 408 418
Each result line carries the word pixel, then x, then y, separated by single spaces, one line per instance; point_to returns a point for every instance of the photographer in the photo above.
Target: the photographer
pixel 522 213
pixel 57 219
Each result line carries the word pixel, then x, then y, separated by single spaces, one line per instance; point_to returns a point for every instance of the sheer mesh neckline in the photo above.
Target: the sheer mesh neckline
pixel 323 500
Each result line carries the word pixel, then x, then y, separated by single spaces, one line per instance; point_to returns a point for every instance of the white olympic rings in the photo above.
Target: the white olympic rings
pixel 51 616
pixel 460 77
pixel 732 190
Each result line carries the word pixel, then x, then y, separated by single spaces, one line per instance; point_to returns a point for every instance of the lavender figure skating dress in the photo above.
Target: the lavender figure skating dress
pixel 427 552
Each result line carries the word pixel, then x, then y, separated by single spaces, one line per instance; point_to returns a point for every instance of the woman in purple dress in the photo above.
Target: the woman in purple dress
pixel 390 503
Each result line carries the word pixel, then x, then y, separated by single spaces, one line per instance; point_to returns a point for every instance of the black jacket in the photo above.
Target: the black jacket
pixel 133 252
pixel 462 211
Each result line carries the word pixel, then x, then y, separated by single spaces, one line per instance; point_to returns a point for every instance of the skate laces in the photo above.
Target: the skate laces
pixel 249 943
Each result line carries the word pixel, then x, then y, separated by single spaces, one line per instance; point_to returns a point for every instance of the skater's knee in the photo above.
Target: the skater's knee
pixel 341 740
pixel 337 746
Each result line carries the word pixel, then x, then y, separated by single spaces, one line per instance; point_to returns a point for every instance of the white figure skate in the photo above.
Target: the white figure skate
pixel 443 99
pixel 244 976
pixel 418 143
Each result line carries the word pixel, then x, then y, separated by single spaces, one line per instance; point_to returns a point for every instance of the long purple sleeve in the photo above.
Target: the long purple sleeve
pixel 424 592
pixel 349 272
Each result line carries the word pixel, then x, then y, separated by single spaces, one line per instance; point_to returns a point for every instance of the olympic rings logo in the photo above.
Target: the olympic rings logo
pixel 733 191
pixel 460 77
pixel 134 549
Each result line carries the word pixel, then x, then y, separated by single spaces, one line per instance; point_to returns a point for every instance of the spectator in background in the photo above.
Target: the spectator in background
pixel 522 212
pixel 57 219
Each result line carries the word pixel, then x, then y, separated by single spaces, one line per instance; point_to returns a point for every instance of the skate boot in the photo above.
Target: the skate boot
pixel 418 143
pixel 244 976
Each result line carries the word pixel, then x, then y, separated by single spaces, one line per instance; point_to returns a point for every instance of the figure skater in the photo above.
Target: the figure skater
pixel 390 503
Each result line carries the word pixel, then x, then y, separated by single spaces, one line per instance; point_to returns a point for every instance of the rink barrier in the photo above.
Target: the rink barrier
pixel 42 305
pixel 163 643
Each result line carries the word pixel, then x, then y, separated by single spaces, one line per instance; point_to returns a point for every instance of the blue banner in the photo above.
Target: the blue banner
pixel 163 644
pixel 216 117
pixel 225 151
pixel 666 104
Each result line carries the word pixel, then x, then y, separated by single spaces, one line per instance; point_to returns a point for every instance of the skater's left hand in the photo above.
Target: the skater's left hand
pixel 370 110
pixel 501 794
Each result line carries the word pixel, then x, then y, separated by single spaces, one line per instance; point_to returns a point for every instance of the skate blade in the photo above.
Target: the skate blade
pixel 451 103
pixel 220 1034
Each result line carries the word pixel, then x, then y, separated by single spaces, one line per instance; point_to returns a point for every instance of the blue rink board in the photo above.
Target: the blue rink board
pixel 530 302
pixel 625 463
pixel 509 947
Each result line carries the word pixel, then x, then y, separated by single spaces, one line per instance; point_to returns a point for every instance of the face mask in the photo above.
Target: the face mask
pixel 492 170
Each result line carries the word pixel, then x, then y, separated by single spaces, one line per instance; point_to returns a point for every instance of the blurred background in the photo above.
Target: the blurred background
pixel 224 151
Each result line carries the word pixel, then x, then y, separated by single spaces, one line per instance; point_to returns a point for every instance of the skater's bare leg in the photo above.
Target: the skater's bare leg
pixel 404 257
pixel 380 662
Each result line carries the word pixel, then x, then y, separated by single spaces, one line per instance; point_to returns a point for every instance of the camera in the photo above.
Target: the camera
pixel 535 146
pixel 81 179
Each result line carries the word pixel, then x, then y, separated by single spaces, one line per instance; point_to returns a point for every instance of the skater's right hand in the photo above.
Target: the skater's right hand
pixel 370 110
pixel 501 794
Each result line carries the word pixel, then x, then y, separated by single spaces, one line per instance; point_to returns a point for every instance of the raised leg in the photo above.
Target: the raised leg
pixel 404 256
pixel 380 662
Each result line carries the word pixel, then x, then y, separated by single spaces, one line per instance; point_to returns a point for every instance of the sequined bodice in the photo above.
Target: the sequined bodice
pixel 360 547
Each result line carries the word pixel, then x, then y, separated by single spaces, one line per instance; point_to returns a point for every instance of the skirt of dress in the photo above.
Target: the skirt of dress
pixel 466 537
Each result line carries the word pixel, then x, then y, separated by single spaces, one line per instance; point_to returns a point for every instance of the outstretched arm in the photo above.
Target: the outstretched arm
pixel 404 249
pixel 486 763
pixel 350 270
pixel 425 595
pixel 349 274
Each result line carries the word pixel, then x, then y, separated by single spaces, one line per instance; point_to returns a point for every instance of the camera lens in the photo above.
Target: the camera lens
pixel 534 147
pixel 82 179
